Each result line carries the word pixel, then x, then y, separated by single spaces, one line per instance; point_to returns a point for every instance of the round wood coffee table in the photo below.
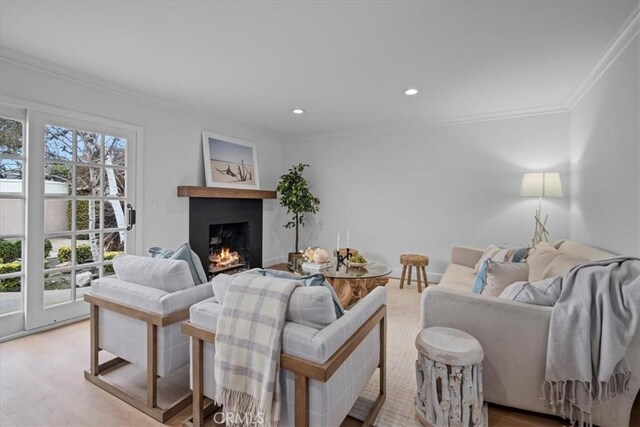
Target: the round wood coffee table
pixel 352 284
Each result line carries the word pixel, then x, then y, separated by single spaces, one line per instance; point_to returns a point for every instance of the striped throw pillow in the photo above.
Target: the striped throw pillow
pixel 501 254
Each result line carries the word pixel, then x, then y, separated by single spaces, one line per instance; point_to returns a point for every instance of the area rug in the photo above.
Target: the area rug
pixel 403 324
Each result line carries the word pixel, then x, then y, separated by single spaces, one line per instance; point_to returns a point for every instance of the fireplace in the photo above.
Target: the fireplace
pixel 229 247
pixel 226 223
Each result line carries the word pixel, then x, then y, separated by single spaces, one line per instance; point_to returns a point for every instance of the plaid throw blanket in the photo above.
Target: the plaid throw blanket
pixel 248 341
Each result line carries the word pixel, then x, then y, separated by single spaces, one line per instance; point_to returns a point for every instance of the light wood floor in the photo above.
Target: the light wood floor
pixel 42 384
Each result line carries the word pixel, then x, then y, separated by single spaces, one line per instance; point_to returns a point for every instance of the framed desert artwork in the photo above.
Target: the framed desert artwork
pixel 229 162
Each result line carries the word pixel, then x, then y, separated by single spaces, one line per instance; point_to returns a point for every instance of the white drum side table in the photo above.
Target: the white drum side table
pixel 449 379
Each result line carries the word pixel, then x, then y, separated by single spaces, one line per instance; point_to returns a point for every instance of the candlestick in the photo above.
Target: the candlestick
pixel 338 243
pixel 348 232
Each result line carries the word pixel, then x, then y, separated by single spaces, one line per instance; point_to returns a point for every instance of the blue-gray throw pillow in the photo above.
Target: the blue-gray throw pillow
pixel 481 278
pixel 184 253
pixel 310 280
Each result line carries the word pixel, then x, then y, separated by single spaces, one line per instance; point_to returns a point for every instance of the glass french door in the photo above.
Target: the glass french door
pixel 78 181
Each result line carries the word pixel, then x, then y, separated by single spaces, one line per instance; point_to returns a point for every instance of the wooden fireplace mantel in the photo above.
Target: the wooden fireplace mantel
pixel 223 193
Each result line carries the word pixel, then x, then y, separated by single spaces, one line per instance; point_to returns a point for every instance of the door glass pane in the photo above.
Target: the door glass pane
pixel 10 293
pixel 10 175
pixel 10 253
pixel 57 179
pixel 114 150
pixel 84 277
pixel 59 254
pixel 113 243
pixel 88 214
pixel 114 214
pixel 88 181
pixel 11 216
pixel 88 147
pixel 114 180
pixel 11 139
pixel 57 287
pixel 57 215
pixel 58 143
pixel 87 248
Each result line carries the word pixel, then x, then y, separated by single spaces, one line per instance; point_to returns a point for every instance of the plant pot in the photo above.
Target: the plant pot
pixel 294 260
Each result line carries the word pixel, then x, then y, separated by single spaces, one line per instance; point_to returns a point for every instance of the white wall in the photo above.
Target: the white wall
pixel 172 146
pixel 605 158
pixel 426 189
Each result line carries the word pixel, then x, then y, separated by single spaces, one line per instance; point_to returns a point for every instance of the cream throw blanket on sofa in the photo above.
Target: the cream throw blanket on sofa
pixel 248 341
pixel 592 325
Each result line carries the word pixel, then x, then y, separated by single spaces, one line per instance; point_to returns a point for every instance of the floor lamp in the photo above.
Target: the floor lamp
pixel 541 184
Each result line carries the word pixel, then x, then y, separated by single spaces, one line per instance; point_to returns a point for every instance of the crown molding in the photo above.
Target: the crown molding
pixel 460 120
pixel 90 80
pixel 627 33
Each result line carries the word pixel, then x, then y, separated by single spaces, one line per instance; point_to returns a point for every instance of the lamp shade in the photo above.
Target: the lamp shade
pixel 541 184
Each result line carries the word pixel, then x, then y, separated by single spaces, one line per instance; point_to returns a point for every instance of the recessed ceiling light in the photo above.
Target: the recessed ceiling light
pixel 297 111
pixel 411 91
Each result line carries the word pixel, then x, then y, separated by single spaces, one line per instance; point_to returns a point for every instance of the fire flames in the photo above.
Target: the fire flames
pixel 224 258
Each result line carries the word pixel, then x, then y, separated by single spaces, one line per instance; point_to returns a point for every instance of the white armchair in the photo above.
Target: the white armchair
pixel 323 371
pixel 139 323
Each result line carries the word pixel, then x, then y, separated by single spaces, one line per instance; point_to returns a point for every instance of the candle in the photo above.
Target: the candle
pixel 338 243
pixel 348 239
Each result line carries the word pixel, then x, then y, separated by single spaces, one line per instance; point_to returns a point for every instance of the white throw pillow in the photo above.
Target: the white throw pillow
pixel 544 292
pixel 309 305
pixel 502 274
pixel 167 274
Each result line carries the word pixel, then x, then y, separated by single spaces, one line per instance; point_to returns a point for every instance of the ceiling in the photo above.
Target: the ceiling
pixel 345 63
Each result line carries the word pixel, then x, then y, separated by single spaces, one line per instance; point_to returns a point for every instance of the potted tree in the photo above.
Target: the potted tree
pixel 296 196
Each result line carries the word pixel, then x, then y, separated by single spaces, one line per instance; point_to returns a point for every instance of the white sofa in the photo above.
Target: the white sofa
pixel 514 336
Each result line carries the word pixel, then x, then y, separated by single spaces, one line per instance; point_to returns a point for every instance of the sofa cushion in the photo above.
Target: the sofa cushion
pixel 515 254
pixel 544 292
pixel 539 258
pixel 588 253
pixel 495 276
pixel 561 265
pixel 458 276
pixel 308 305
pixel 166 274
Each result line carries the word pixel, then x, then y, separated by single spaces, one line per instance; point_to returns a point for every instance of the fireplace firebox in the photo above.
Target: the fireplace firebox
pixel 229 247
pixel 223 228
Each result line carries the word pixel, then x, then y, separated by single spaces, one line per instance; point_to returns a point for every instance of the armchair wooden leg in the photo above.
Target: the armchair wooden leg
pixel 302 400
pixel 152 365
pixel 382 366
pixel 198 382
pixel 95 367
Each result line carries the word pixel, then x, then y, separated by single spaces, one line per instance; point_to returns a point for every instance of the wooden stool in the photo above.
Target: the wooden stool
pixel 420 262
pixel 449 379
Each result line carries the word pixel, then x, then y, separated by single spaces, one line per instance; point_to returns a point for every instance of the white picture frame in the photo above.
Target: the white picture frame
pixel 229 162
